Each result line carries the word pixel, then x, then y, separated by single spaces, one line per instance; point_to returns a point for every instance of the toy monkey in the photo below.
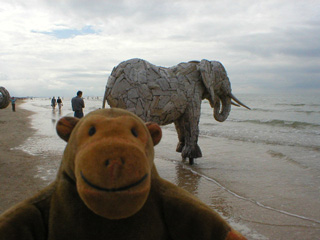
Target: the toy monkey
pixel 108 188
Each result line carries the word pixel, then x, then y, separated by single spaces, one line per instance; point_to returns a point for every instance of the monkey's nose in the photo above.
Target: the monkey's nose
pixel 120 161
pixel 114 167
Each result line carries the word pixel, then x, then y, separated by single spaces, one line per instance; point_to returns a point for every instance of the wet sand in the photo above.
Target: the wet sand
pixel 264 198
pixel 261 195
pixel 17 168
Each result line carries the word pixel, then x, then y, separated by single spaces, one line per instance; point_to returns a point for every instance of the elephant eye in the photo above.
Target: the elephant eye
pixel 92 131
pixel 134 132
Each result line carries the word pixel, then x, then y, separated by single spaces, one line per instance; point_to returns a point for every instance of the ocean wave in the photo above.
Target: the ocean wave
pixel 285 110
pixel 280 123
pixel 306 112
pixel 298 104
pixel 206 113
pixel 280 155
pixel 291 104
pixel 261 140
pixel 264 110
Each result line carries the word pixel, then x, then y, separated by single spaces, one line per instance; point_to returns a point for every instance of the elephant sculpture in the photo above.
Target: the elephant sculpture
pixel 4 98
pixel 172 95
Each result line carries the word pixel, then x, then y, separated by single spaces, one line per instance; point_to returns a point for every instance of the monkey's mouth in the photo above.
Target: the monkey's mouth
pixel 113 189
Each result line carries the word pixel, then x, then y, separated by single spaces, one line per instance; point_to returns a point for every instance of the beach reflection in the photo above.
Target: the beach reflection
pixel 186 179
pixel 54 117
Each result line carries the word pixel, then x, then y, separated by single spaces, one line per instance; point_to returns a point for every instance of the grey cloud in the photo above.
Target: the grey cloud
pixel 297 42
pixel 143 10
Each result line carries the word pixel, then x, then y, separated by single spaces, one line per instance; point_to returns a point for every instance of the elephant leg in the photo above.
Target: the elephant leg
pixel 179 124
pixel 191 149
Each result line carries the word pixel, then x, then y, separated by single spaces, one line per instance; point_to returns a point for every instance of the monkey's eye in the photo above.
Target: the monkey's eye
pixel 134 132
pixel 92 131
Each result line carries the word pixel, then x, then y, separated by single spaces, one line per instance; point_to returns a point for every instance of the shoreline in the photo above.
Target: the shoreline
pixel 17 168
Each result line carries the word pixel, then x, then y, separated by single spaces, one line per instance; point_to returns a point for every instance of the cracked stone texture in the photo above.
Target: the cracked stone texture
pixel 4 98
pixel 168 95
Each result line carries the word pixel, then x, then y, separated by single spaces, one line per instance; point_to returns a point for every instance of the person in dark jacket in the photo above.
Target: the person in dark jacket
pixel 53 103
pixel 59 101
pixel 77 104
pixel 13 103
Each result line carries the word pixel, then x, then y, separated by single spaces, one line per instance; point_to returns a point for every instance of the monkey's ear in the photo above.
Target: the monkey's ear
pixel 65 126
pixel 155 132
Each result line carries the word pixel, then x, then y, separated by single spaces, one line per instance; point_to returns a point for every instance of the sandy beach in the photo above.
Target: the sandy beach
pixel 17 168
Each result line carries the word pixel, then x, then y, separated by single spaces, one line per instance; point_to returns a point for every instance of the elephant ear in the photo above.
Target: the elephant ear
pixel 208 76
pixel 206 72
pixel 217 83
pixel 213 77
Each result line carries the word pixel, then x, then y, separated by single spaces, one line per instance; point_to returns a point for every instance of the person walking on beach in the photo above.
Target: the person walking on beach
pixel 53 102
pixel 59 101
pixel 13 103
pixel 77 104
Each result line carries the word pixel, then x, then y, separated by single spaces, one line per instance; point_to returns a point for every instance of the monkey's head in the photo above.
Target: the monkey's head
pixel 109 155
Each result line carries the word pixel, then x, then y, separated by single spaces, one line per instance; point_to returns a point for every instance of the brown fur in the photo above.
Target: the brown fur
pixel 108 188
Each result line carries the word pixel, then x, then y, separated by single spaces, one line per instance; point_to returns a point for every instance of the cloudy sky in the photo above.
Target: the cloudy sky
pixel 55 47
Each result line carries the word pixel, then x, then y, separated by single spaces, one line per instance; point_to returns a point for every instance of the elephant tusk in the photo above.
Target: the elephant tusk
pixel 238 101
pixel 235 104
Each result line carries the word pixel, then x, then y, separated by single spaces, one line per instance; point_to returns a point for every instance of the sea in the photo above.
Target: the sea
pixel 260 168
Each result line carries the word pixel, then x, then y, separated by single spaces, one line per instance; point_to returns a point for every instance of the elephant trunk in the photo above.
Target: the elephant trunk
pixel 224 102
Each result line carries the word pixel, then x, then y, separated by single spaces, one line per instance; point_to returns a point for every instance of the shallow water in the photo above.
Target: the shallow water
pixel 260 169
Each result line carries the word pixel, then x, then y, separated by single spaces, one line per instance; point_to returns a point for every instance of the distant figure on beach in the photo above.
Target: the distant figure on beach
pixel 53 102
pixel 77 104
pixel 13 103
pixel 59 101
